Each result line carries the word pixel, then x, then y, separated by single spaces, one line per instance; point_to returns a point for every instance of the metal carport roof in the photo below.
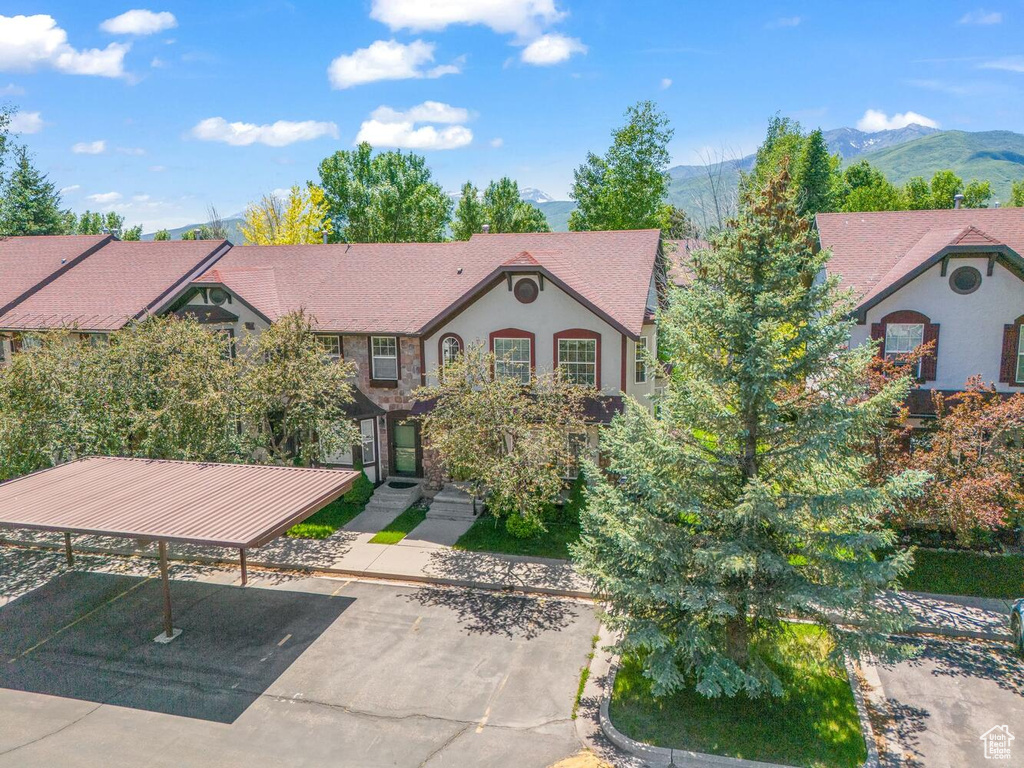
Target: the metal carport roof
pixel 226 505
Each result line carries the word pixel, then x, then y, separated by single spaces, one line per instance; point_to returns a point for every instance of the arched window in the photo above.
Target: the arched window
pixel 903 331
pixel 450 347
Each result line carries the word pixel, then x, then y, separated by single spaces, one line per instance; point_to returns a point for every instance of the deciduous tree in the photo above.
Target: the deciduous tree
pixel 389 197
pixel 510 440
pixel 745 503
pixel 626 188
pixel 501 209
pixel 302 218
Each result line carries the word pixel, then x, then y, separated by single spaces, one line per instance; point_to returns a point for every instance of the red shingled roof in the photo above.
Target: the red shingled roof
pixel 873 250
pixel 403 288
pixel 27 261
pixel 679 271
pixel 118 282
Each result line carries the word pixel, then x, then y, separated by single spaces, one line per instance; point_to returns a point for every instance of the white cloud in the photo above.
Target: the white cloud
pixel 139 22
pixel 140 198
pixel 89 147
pixel 277 134
pixel 72 188
pixel 497 141
pixel 982 17
pixel 157 63
pixel 525 18
pixel 157 168
pixel 552 48
pixel 786 22
pixel 104 198
pixel 12 90
pixel 876 120
pixel 29 42
pixel 133 151
pixel 26 122
pixel 386 60
pixel 666 83
pixel 406 136
pixel 1006 63
pixel 427 112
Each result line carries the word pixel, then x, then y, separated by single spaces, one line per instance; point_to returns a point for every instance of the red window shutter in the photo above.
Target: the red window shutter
pixel 930 362
pixel 1008 363
pixel 878 333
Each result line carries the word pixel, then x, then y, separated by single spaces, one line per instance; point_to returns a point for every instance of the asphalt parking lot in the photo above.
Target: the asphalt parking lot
pixel 286 672
pixel 951 695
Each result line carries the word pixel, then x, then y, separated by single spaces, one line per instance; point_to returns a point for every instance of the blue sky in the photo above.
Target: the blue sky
pixel 158 112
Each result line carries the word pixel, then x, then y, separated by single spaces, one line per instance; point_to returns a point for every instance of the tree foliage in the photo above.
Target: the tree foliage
pixel 509 440
pixel 161 234
pixel 389 197
pixel 501 208
pixel 815 172
pixel 302 218
pixel 96 223
pixel 865 188
pixel 1017 194
pixel 626 188
pixel 745 502
pixel 164 388
pixel 291 399
pixel 30 204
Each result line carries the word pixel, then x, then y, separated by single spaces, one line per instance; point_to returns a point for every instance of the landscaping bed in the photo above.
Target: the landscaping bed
pixel 815 724
pixel 948 572
pixel 400 527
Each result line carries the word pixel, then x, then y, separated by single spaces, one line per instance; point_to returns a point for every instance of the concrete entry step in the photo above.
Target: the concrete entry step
pixel 453 503
pixel 396 493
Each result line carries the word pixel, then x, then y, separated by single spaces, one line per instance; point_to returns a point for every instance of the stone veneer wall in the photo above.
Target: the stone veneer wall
pixel 356 350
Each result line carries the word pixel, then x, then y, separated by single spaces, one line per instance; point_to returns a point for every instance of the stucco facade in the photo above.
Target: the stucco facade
pixel 970 325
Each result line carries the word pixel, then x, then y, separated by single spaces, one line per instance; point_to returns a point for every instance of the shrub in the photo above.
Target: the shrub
pixel 361 490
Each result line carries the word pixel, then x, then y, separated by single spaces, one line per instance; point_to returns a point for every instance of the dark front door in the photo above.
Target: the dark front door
pixel 405 444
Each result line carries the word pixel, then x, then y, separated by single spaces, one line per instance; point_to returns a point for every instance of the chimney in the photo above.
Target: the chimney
pixel 957 201
pixel 487 229
pixel 325 238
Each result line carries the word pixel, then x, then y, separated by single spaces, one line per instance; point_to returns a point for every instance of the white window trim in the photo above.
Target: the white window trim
pixel 564 364
pixel 502 360
pixel 640 361
pixel 895 352
pixel 323 339
pixel 1020 354
pixel 445 342
pixel 368 440
pixel 374 357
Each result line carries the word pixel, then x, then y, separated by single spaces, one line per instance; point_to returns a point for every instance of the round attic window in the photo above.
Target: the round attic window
pixel 218 296
pixel 526 291
pixel 965 280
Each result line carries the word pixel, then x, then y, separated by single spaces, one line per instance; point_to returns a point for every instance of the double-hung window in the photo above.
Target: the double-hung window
pixel 640 361
pixel 1020 357
pixel 512 358
pixel 577 359
pixel 384 354
pixel 331 346
pixel 450 349
pixel 902 339
pixel 227 336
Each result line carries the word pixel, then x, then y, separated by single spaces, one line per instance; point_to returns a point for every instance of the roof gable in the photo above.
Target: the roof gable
pixel 874 253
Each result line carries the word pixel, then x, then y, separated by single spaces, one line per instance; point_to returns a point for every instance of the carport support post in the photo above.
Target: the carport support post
pixel 67 549
pixel 241 559
pixel 168 622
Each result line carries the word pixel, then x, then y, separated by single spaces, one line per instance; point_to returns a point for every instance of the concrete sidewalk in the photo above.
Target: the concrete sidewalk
pixel 350 553
pixel 419 559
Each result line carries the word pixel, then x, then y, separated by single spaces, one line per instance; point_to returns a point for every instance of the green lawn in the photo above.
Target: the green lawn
pixel 490 535
pixel 326 521
pixel 966 573
pixel 814 724
pixel 401 525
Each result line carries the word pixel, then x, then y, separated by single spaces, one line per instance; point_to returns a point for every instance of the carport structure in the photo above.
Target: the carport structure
pixel 240 506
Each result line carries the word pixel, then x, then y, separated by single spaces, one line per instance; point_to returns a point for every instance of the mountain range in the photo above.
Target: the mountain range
pixel 915 150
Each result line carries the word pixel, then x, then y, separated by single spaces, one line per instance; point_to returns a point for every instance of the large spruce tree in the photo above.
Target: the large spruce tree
pixel 744 502
pixel 31 203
